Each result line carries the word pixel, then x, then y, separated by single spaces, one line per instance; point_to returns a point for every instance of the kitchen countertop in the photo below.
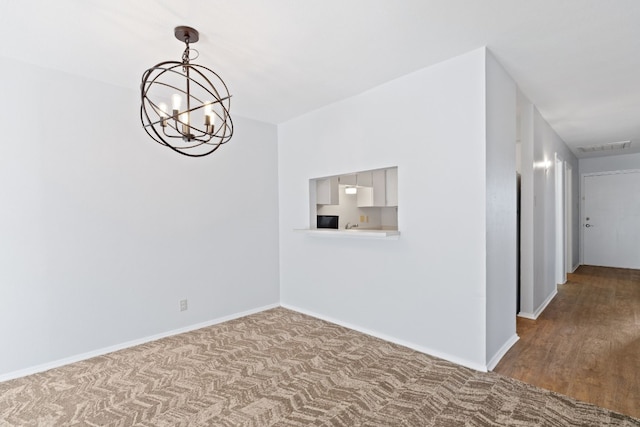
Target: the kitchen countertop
pixel 352 232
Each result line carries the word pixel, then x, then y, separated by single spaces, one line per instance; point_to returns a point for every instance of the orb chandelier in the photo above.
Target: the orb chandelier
pixel 198 122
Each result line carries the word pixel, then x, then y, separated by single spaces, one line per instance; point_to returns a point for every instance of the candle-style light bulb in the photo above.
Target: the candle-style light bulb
pixel 163 113
pixel 176 101
pixel 209 117
pixel 184 119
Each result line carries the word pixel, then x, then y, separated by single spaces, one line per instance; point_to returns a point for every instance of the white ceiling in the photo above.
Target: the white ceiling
pixel 577 60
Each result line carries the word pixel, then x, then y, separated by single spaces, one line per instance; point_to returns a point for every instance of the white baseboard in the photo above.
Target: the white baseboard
pixel 503 350
pixel 99 352
pixel 105 350
pixel 575 267
pixel 527 315
pixel 421 349
pixel 538 312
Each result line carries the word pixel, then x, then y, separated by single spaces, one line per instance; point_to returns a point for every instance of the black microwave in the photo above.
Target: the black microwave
pixel 327 221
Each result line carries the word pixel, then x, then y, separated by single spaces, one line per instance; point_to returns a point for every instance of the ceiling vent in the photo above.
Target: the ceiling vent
pixel 621 145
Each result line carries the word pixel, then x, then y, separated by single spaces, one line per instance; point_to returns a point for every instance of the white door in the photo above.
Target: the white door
pixel 611 219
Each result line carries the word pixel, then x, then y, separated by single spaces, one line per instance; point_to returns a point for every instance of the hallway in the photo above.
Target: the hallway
pixel 586 344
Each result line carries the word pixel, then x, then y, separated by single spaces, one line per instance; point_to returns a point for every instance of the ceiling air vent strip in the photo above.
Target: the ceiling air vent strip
pixel 621 145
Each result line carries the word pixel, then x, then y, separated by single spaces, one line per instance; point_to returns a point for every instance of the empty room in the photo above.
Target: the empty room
pixel 448 211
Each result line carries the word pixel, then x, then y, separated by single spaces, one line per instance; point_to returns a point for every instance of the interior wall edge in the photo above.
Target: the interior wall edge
pixel 502 351
pixel 544 304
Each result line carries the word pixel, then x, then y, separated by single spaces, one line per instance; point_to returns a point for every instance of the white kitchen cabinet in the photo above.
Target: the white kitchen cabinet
pixel 384 190
pixel 327 191
pixel 365 179
pixel 379 187
pixel 391 187
pixel 348 179
pixel 365 197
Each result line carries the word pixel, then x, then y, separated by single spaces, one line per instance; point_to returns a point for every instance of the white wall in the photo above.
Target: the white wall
pixel 501 211
pixel 538 268
pixel 610 163
pixel 103 231
pixel 428 288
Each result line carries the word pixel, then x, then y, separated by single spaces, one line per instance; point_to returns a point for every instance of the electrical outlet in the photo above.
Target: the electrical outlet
pixel 183 305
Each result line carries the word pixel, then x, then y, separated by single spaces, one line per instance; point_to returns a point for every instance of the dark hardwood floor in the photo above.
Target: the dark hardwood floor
pixel 586 344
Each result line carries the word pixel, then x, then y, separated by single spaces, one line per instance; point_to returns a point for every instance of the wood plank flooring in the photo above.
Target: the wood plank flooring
pixel 586 344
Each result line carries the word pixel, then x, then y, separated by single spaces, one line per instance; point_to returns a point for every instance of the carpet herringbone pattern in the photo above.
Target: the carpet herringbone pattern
pixel 282 368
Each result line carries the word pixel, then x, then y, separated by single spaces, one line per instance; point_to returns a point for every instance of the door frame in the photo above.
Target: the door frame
pixel 568 218
pixel 560 217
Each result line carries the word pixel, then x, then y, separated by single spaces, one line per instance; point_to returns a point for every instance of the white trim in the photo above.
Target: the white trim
pixel 526 315
pixel 503 350
pixel 559 187
pixel 421 349
pixel 580 220
pixel 99 352
pixel 575 267
pixel 568 218
pixel 538 312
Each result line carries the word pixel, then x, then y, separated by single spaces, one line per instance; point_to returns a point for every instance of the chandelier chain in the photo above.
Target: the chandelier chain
pixel 185 54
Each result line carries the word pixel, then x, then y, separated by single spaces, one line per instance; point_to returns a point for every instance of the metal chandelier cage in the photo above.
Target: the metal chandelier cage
pixel 198 122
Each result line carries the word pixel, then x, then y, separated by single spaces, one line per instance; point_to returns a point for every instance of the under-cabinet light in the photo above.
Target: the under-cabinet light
pixel 351 190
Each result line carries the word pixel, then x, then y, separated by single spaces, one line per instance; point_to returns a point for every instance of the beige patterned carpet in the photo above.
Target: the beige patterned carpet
pixel 282 368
